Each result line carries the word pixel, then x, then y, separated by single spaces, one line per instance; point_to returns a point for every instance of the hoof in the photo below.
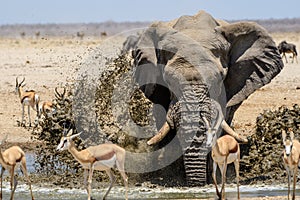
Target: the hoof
pixel 20 124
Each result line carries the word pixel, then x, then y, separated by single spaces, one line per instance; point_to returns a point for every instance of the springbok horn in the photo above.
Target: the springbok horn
pixel 66 132
pixel 73 136
pixel 22 81
pixel 231 132
pixel 64 92
pixel 56 93
pixel 17 81
pixel 291 134
pixel 160 135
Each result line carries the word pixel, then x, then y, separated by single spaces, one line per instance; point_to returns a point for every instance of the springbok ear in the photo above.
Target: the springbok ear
pixel 20 84
pixel 292 134
pixel 74 136
pixel 283 135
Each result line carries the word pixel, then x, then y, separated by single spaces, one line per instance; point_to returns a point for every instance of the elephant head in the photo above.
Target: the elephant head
pixel 185 64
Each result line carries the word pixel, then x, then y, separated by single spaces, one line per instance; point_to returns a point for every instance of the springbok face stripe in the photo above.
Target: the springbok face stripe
pixel 288 147
pixel 63 145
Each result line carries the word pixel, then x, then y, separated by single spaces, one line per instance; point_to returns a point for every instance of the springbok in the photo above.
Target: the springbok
pixel 102 157
pixel 285 47
pixel 29 99
pixel 48 107
pixel 9 159
pixel 291 156
pixel 225 150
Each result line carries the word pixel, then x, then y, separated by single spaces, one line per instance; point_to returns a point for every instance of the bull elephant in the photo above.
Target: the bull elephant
pixel 185 64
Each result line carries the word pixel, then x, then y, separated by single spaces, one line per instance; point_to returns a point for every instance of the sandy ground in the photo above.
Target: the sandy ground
pixel 48 63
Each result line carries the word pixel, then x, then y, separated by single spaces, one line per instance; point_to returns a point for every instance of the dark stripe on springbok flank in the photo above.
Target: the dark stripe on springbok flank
pixel 23 98
pixel 106 156
pixel 19 160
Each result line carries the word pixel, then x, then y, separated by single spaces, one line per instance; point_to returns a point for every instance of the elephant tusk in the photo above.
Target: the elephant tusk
pixel 160 135
pixel 231 132
pixel 207 125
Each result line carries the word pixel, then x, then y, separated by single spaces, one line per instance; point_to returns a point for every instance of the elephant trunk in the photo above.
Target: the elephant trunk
pixel 186 115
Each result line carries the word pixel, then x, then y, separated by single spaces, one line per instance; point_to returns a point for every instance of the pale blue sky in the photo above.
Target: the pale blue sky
pixel 72 11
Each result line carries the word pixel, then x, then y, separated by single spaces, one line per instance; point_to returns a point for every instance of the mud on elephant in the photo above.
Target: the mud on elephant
pixel 186 64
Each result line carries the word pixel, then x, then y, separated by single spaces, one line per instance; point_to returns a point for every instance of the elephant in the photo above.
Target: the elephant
pixel 185 64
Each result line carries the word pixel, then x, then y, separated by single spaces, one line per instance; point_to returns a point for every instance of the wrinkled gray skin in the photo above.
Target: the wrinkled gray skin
pixel 186 63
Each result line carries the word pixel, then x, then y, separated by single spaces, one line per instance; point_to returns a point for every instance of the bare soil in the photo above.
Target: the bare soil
pixel 46 64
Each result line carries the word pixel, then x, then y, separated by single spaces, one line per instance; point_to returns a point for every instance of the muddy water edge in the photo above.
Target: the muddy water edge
pixel 46 187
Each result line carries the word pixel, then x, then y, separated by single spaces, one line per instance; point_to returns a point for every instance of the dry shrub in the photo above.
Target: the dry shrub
pixel 62 167
pixel 263 161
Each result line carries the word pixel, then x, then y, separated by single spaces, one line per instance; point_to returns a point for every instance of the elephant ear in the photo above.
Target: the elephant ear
pixel 253 60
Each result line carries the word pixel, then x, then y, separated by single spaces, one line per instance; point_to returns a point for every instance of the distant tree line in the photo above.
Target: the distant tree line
pixel 112 28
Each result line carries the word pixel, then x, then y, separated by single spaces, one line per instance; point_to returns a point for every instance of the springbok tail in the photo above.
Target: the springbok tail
pixel 37 101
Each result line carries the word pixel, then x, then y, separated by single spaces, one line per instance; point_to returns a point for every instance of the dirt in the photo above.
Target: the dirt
pixel 51 62
pixel 46 64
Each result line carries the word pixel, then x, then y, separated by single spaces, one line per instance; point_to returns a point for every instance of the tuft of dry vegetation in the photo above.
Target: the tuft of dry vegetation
pixel 263 157
pixel 62 167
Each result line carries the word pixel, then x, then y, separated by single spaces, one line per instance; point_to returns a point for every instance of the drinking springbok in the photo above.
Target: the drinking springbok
pixel 9 160
pixel 102 157
pixel 225 150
